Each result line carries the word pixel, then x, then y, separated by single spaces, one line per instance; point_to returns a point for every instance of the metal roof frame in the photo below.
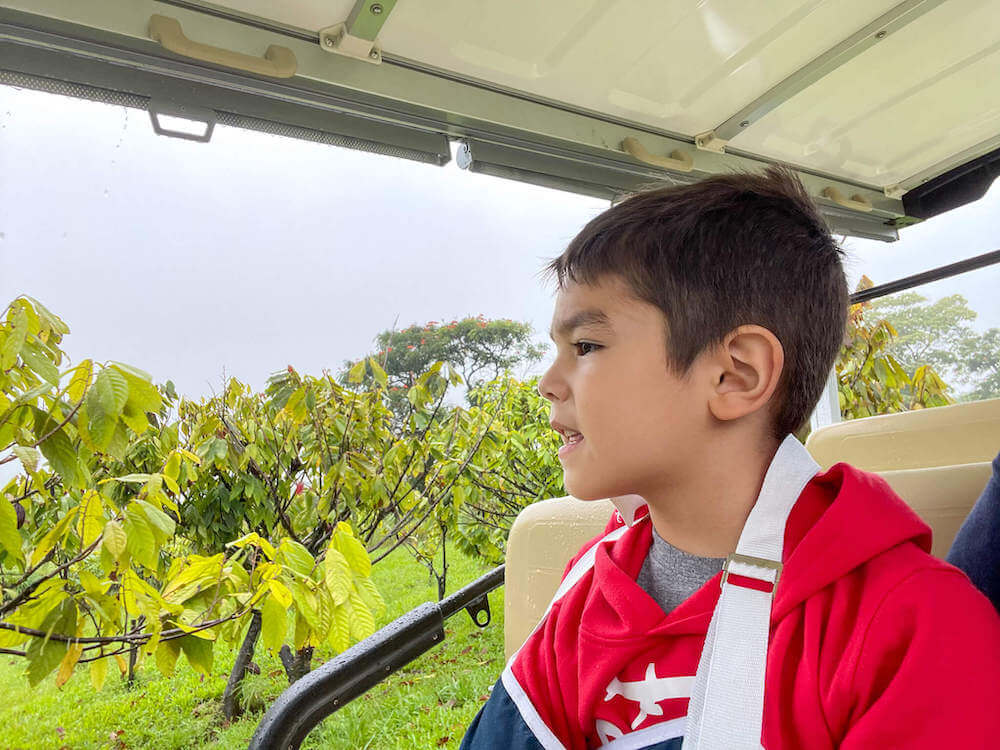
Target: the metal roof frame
pixel 105 43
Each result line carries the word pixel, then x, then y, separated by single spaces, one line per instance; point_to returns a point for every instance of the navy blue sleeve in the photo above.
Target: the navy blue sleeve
pixel 499 724
pixel 976 548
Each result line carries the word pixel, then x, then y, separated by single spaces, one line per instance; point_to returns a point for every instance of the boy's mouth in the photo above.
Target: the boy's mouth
pixel 568 434
pixel 571 444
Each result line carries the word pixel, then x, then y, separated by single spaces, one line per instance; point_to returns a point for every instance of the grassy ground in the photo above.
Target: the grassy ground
pixel 428 704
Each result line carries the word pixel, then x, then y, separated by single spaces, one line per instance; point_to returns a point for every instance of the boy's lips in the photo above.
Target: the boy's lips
pixel 563 430
pixel 568 448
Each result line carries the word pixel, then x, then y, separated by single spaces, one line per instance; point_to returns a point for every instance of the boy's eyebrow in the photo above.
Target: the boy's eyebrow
pixel 590 317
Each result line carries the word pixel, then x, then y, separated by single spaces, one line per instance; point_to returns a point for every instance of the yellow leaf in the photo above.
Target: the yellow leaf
pixel 122 664
pixel 79 382
pixel 337 574
pixel 68 663
pixel 340 633
pixel 115 539
pixel 98 671
pixel 362 623
pixel 274 623
pixel 281 593
pixel 90 519
pixel 354 551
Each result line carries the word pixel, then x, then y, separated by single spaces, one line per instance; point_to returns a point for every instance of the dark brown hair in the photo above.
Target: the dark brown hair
pixel 731 250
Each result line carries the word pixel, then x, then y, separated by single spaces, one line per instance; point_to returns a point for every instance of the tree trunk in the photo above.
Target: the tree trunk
pixel 231 705
pixel 133 655
pixel 296 666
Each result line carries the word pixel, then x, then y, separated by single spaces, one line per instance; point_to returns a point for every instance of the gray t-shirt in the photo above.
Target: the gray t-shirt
pixel 670 576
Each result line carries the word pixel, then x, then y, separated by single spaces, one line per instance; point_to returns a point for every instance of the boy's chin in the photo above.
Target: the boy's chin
pixel 589 493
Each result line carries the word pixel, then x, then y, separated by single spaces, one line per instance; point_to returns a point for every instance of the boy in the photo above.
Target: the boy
pixel 695 329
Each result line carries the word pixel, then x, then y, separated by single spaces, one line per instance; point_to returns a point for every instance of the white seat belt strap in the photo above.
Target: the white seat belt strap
pixel 727 702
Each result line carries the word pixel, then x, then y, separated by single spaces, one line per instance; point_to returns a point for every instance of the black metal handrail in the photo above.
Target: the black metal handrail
pixel 331 686
pixel 918 279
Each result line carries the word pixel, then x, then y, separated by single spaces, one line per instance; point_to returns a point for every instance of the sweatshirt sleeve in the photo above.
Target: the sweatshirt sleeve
pixel 928 674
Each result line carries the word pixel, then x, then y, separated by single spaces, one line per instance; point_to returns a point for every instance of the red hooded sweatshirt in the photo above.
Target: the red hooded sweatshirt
pixel 874 643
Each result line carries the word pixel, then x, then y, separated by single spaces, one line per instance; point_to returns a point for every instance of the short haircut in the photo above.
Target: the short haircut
pixel 730 250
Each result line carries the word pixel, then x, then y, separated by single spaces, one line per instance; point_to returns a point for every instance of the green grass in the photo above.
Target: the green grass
pixel 427 704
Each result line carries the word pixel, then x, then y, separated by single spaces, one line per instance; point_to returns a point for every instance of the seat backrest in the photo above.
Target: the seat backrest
pixel 942 436
pixel 905 449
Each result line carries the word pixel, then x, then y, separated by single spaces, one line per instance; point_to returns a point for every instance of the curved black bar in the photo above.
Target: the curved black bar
pixel 944 272
pixel 312 698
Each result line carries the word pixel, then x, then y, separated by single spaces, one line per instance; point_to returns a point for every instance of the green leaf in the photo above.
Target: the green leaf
pixel 378 372
pixel 52 321
pixel 52 537
pixel 143 478
pixel 166 656
pixel 90 583
pixel 163 526
pixel 198 652
pixel 115 539
pixel 90 519
pixel 44 654
pixel 28 457
pixel 15 340
pixel 112 390
pixel 37 361
pixel 307 603
pixel 97 426
pixel 142 394
pixel 10 537
pixel 274 623
pixel 58 450
pixel 131 371
pixel 196 573
pixel 357 372
pixel 135 419
pixel 295 556
pixel 370 595
pixel 255 539
pixel 141 545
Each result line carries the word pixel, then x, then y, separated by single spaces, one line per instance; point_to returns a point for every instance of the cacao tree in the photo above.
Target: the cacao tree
pixel 95 559
pixel 870 380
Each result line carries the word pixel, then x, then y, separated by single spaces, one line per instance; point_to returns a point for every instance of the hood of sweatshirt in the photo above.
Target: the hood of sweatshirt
pixel 844 518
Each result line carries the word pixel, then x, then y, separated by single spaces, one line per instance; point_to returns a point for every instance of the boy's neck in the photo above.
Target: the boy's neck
pixel 704 515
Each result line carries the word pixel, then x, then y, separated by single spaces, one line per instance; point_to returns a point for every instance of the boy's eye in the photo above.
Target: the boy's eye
pixel 586 343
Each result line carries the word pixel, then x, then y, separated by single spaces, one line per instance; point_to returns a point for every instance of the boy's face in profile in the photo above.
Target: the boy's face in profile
pixel 641 423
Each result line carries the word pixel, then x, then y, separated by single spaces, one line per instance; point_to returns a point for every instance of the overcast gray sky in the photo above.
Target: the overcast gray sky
pixel 255 251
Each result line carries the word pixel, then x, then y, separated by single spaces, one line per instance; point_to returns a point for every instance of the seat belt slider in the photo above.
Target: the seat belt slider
pixel 756 561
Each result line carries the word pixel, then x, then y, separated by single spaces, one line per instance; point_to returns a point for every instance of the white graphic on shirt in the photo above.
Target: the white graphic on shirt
pixel 649 692
pixel 607 731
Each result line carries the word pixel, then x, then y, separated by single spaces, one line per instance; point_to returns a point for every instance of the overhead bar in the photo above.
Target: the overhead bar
pixel 918 279
pixel 396 93
pixel 826 63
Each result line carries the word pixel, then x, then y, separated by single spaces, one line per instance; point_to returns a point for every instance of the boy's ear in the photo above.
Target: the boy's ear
pixel 747 366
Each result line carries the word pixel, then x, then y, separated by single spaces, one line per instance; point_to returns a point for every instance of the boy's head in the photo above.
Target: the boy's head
pixel 735 289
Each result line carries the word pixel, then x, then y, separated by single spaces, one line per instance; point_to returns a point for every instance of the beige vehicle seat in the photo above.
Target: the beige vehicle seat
pixel 938 460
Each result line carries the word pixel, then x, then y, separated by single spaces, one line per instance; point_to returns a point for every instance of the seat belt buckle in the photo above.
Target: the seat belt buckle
pixel 756 561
